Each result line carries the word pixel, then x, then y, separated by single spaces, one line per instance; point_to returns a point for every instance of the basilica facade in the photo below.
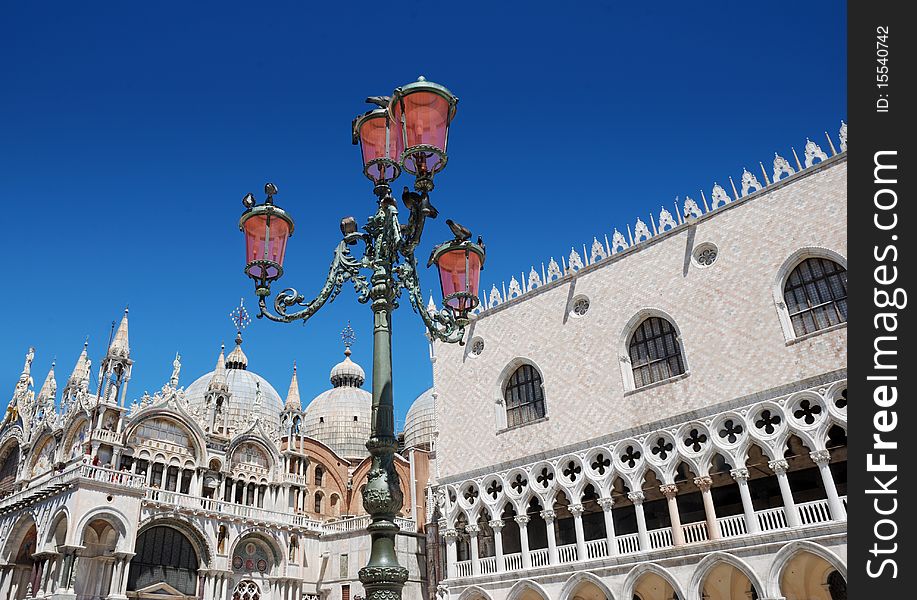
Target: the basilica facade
pixel 221 490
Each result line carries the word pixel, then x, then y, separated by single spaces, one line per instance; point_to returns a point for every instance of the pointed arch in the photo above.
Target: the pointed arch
pixel 703 568
pixel 630 582
pixel 789 552
pixel 525 585
pixel 474 592
pixel 577 579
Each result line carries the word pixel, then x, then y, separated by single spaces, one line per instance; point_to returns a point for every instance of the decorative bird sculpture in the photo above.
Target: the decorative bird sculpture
pixel 481 243
pixel 461 232
pixel 381 101
pixel 249 200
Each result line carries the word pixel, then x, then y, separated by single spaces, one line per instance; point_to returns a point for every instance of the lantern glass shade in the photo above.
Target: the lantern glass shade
pixel 380 145
pixel 424 116
pixel 460 276
pixel 266 237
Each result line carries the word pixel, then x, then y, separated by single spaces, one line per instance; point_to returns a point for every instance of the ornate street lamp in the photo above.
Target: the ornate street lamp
pixel 407 132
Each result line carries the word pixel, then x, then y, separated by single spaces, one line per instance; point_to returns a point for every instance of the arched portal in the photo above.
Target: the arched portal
pixel 94 566
pixel 163 555
pixel 726 582
pixel 652 586
pixel 810 577
pixel 21 546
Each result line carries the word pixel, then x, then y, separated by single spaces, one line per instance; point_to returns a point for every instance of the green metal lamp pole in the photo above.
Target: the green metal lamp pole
pixel 418 119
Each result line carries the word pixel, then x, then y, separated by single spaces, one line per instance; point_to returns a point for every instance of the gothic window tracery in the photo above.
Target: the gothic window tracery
pixel 815 294
pixel 524 396
pixel 655 352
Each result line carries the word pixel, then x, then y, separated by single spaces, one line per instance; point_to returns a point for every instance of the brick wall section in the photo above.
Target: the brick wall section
pixel 731 334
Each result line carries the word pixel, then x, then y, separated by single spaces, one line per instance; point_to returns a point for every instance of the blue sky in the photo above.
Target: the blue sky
pixel 129 133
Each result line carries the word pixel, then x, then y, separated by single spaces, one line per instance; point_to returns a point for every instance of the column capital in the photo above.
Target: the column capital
pixel 670 490
pixel 473 530
pixel 606 503
pixel 549 516
pixel 704 482
pixel 740 474
pixel 637 497
pixel 496 524
pixel 779 466
pixel 450 534
pixel 576 510
pixel 820 457
pixel 522 519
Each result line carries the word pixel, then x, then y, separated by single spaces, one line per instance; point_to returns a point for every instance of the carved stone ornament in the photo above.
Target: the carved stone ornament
pixel 842 133
pixel 749 181
pixel 514 290
pixel 553 271
pixel 641 232
pixel 719 197
pixel 691 208
pixel 666 221
pixel 813 151
pixel 576 262
pixel 781 167
pixel 534 279
pixel 597 252
pixel 618 243
pixel 495 298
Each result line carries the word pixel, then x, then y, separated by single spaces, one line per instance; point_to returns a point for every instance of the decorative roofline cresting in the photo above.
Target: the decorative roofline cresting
pixel 641 232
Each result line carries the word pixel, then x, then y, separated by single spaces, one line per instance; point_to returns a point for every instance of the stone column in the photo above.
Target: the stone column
pixel 577 511
pixel 637 498
pixel 611 543
pixel 451 535
pixel 822 458
pixel 705 483
pixel 6 580
pixel 780 467
pixel 670 490
pixel 473 531
pixel 751 520
pixel 497 527
pixel 549 517
pixel 523 521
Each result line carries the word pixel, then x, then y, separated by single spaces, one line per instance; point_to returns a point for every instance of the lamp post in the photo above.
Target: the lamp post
pixel 407 132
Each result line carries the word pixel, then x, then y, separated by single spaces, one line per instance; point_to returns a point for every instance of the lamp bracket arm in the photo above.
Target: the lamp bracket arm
pixel 441 324
pixel 344 267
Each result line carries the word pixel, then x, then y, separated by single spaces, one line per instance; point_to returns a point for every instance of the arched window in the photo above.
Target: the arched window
pixel 816 295
pixel 524 396
pixel 319 474
pixel 318 502
pixel 164 555
pixel 655 352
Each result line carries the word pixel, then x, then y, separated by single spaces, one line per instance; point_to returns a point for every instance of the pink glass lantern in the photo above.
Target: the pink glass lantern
pixel 266 228
pixel 423 110
pixel 460 264
pixel 380 145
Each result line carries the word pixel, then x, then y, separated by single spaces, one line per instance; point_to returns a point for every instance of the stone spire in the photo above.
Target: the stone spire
pixel 48 391
pixel 293 401
pixel 119 345
pixel 81 369
pixel 218 380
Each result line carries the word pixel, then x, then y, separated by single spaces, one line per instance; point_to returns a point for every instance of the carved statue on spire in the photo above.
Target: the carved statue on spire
pixel 176 369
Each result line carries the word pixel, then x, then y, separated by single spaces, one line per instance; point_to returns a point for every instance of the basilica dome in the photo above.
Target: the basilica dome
pixel 243 384
pixel 419 422
pixel 340 417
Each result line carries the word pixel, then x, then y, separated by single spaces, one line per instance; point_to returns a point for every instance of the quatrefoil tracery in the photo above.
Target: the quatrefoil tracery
pixel 601 463
pixel 695 440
